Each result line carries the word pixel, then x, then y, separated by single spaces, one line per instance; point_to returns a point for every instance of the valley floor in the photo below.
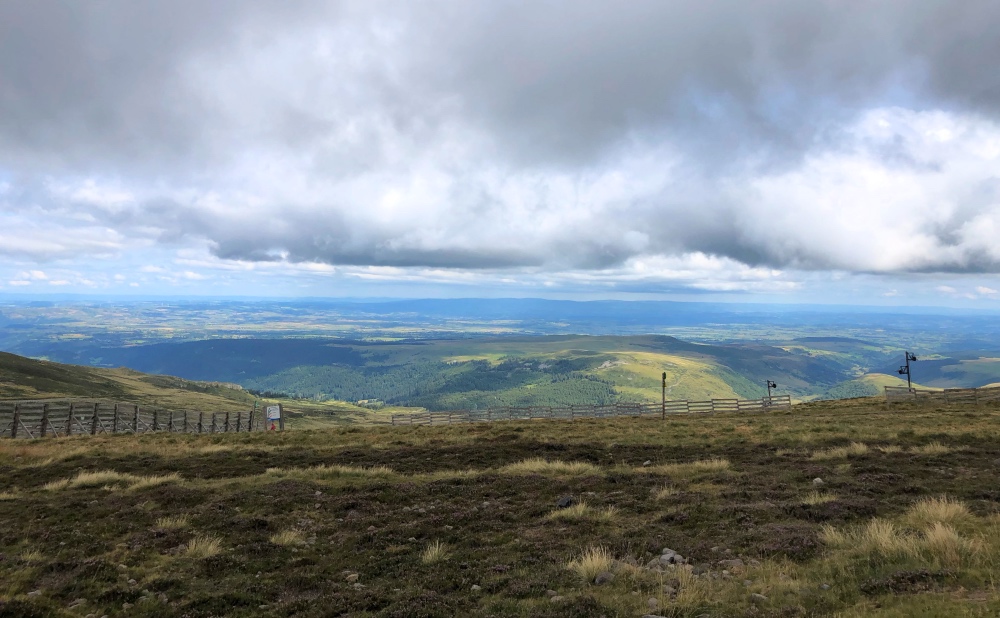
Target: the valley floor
pixel 903 520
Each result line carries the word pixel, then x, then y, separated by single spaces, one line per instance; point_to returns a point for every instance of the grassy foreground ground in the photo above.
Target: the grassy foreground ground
pixel 462 519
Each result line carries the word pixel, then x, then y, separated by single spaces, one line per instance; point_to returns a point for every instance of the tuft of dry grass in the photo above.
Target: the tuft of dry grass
pixel 841 452
pixel 435 552
pixel 581 510
pixel 591 562
pixel 948 548
pixel 142 482
pixel 9 495
pixel 331 472
pixel 203 546
pixel 891 448
pixel 177 522
pixel 816 497
pixel 111 479
pixel 934 448
pixel 550 468
pixel 930 511
pixel 688 469
pixel 665 492
pixel 288 537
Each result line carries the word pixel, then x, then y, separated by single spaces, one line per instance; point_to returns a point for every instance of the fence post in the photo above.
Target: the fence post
pixel 93 421
pixel 170 422
pixel 114 420
pixel 45 418
pixel 135 418
pixel 69 419
pixel 239 421
pixel 156 419
pixel 226 426
pixel 17 419
pixel 185 424
pixel 213 422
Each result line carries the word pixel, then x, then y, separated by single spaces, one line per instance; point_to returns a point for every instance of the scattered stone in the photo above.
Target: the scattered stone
pixel 731 563
pixel 667 550
pixel 551 593
pixel 162 598
pixel 604 577
pixel 132 582
pixel 556 599
pixel 647 463
pixel 78 602
pixel 421 510
pixel 758 598
pixel 318 493
pixel 747 583
pixel 669 590
pixel 476 587
pixel 412 539
pixel 449 527
pixel 358 586
pixel 565 502
pixel 715 549
pixel 653 602
pixel 817 481
pixel 372 528
pixel 90 616
pixel 825 586
pixel 126 606
pixel 353 577
pixel 122 567
pixel 264 606
pixel 34 593
pixel 406 509
pixel 754 563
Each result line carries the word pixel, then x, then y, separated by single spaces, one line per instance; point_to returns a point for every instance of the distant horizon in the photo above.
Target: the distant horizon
pixel 744 302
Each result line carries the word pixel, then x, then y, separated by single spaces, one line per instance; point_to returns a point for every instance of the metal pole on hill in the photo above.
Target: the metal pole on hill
pixel 770 385
pixel 905 370
pixel 663 399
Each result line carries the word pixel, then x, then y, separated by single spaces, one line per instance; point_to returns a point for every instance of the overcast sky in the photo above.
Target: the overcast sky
pixel 779 150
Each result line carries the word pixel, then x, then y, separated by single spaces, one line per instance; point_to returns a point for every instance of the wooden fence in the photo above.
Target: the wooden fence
pixel 594 411
pixel 974 396
pixel 65 417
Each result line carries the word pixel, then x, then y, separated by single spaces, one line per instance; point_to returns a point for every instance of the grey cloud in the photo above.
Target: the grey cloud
pixel 183 98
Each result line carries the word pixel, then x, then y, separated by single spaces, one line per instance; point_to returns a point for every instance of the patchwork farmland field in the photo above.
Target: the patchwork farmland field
pixel 464 520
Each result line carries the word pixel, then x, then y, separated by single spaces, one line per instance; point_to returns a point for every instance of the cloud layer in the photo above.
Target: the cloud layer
pixel 600 140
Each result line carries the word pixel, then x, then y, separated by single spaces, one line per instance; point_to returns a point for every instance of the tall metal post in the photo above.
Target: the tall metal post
pixel 905 370
pixel 663 398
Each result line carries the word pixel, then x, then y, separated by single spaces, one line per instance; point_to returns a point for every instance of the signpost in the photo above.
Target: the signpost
pixel 274 415
pixel 905 370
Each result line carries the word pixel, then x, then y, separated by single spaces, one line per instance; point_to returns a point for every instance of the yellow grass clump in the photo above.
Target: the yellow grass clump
pixel 9 495
pixel 581 510
pixel 665 492
pixel 891 448
pixel 948 548
pixel 841 452
pixel 550 468
pixel 435 552
pixel 591 562
pixel 929 511
pixel 110 479
pixel 203 546
pixel 934 448
pixel 816 497
pixel 688 469
pixel 288 537
pixel 176 522
pixel 331 472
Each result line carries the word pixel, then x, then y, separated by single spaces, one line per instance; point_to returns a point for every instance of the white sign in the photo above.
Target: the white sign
pixel 274 413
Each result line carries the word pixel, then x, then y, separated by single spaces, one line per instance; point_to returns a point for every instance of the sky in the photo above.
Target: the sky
pixel 771 151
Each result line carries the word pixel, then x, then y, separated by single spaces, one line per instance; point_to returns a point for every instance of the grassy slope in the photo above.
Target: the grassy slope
pixel 26 378
pixel 287 524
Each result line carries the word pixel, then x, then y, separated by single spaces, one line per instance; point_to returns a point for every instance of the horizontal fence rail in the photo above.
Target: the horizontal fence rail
pixel 974 396
pixel 510 413
pixel 67 417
